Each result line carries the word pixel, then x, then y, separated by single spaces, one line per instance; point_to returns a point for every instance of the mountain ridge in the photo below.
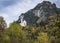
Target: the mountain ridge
pixel 38 14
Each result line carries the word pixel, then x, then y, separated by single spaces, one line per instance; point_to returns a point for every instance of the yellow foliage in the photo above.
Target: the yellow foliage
pixel 43 38
pixel 6 38
pixel 33 30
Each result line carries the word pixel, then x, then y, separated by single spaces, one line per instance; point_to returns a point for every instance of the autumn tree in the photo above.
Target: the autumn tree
pixel 2 28
pixel 43 38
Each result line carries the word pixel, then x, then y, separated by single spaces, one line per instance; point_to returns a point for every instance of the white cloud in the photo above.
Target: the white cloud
pixel 14 11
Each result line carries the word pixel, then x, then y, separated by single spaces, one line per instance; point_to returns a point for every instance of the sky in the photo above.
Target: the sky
pixel 12 9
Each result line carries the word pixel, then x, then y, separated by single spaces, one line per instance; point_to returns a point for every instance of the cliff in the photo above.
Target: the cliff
pixel 39 14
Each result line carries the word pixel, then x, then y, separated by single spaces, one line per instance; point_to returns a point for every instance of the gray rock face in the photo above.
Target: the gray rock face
pixel 39 14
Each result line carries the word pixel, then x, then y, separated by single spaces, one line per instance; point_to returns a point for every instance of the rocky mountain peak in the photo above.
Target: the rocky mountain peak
pixel 38 14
